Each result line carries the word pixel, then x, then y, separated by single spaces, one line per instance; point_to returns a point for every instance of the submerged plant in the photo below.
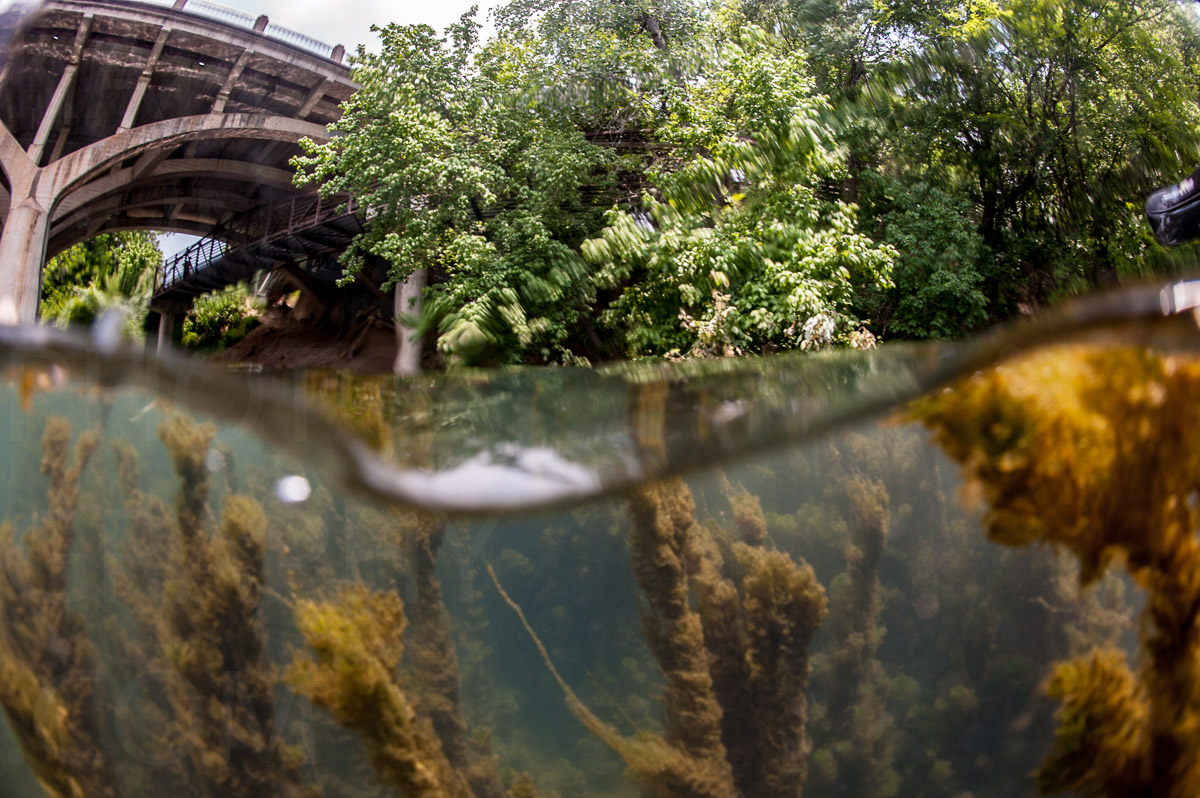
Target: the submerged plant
pixel 358 642
pixel 193 587
pixel 434 667
pixel 1097 452
pixel 748 518
pixel 854 721
pixel 729 625
pixel 389 674
pixel 46 660
pixel 215 639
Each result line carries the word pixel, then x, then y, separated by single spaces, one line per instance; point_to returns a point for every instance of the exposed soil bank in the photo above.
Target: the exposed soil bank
pixel 285 341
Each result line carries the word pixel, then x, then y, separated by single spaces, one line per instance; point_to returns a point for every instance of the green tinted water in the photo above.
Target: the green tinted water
pixel 260 607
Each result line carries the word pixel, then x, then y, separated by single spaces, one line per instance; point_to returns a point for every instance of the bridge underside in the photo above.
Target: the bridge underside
pixel 306 230
pixel 132 116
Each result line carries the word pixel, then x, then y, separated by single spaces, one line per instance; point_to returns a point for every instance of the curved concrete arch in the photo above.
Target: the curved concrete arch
pixel 84 219
pixel 157 195
pixel 126 100
pixel 174 170
pixel 76 169
pixel 182 226
pixel 37 191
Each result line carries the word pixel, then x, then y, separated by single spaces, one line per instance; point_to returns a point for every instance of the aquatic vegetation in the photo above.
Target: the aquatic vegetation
pixel 748 517
pixel 699 655
pixel 221 691
pixel 928 670
pixel 735 665
pixel 433 663
pixel 523 787
pixel 139 570
pixel 1096 452
pixel 854 720
pixel 358 642
pixel 46 659
pixel 783 606
pixel 660 547
pixel 1099 746
pixel 389 673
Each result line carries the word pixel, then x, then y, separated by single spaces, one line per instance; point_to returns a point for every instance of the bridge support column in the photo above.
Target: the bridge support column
pixel 408 303
pixel 166 329
pixel 22 253
pixel 23 239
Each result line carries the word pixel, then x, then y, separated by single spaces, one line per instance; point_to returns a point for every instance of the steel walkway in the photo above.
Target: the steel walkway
pixel 305 228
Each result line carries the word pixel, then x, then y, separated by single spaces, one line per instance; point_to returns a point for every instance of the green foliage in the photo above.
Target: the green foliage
pixel 768 169
pixel 125 256
pixel 608 65
pixel 743 224
pixel 113 271
pixel 938 291
pixel 469 176
pixel 220 319
pixel 1053 119
pixel 1004 147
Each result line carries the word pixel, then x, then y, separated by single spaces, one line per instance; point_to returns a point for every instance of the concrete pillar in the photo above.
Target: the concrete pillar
pixel 231 80
pixel 22 253
pixel 408 303
pixel 23 239
pixel 166 329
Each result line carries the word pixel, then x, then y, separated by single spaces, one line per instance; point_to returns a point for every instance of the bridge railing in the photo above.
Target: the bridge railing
pixel 204 8
pixel 199 255
pixel 231 16
pixel 287 36
pixel 257 227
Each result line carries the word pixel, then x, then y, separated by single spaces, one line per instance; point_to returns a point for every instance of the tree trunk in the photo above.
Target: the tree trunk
pixel 408 303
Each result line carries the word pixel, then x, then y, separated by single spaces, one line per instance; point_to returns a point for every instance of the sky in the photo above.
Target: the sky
pixel 349 22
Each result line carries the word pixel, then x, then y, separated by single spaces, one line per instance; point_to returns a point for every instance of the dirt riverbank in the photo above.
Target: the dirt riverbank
pixel 284 341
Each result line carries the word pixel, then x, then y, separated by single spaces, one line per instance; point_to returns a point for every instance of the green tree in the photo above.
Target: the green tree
pixel 466 173
pixel 609 63
pixel 1053 119
pixel 938 289
pixel 741 241
pixel 774 174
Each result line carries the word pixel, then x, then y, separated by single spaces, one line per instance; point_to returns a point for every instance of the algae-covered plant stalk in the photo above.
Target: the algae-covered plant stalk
pixel 358 641
pixel 1098 452
pixel 190 587
pixel 735 664
pixel 46 658
pixel 416 734
pixel 221 691
pixel 193 586
pixel 855 720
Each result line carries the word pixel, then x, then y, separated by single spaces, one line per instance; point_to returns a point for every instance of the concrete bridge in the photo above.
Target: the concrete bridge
pixel 178 115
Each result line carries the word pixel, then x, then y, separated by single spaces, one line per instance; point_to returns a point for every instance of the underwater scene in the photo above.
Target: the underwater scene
pixel 992 589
